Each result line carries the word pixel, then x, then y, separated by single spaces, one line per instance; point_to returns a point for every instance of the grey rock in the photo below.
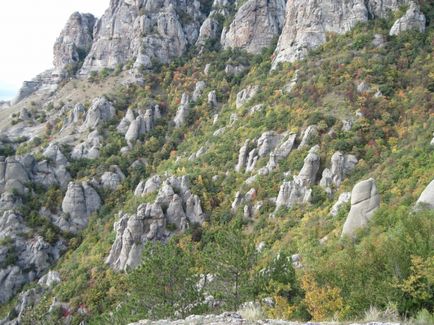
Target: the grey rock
pixel 157 30
pixel 194 210
pixel 252 160
pixel 364 202
pixel 50 279
pixel 310 168
pixel 255 25
pixel 88 149
pixel 413 19
pixel 150 186
pixel 80 201
pixel 100 112
pixel 343 199
pixel 73 44
pixel 246 95
pixel 308 22
pixel 426 199
pixel 212 99
pixel 363 87
pixel 11 280
pixel 342 165
pixel 309 135
pixel 235 70
pixel 267 142
pixel 112 179
pixel 77 114
pixel 199 88
pixel 125 122
pixel 183 111
pixel 175 212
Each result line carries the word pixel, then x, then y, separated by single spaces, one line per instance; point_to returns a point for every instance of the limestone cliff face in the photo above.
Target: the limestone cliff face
pixel 308 21
pixel 255 25
pixel 143 30
pixel 74 42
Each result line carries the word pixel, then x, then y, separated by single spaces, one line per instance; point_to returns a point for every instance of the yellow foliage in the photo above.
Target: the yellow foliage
pixel 281 309
pixel 322 302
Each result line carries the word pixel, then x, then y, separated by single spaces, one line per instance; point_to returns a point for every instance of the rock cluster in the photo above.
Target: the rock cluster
pixel 183 111
pixel 246 95
pixel 111 180
pixel 341 166
pixel 133 127
pixel 101 111
pixel 412 20
pixel 174 205
pixel 276 146
pixel 298 190
pixel 364 202
pixel 89 149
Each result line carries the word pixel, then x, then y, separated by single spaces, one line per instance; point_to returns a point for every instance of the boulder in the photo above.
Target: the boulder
pixel 183 111
pixel 413 19
pixel 309 135
pixel 112 179
pixel 199 88
pixel 212 99
pixel 341 166
pixel 364 202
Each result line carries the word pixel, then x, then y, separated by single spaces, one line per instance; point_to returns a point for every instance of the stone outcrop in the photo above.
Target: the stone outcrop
pixel 157 30
pixel 140 125
pixel 255 25
pixel 80 201
pixel 426 199
pixel 246 95
pixel 364 202
pixel 412 20
pixel 298 190
pixel 309 135
pixel 73 44
pixel 341 166
pixel 101 111
pixel 32 254
pixel 211 29
pixel 111 180
pixel 308 22
pixel 343 199
pixel 174 205
pixel 88 149
pixel 183 111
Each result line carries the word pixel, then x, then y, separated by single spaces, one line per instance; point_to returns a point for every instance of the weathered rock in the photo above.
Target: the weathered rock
pixel 212 99
pixel 150 186
pixel 175 212
pixel 77 114
pixel 50 279
pixel 157 30
pixel 426 199
pixel 88 149
pixel 199 88
pixel 342 165
pixel 364 202
pixel 112 179
pixel 267 142
pixel 255 25
pixel 183 111
pixel 125 122
pixel 309 135
pixel 73 44
pixel 310 168
pixel 246 95
pixel 412 20
pixel 80 201
pixel 100 112
pixel 194 210
pixel 235 70
pixel 308 22
pixel 343 199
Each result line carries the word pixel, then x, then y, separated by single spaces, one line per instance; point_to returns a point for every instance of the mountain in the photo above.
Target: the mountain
pixel 197 157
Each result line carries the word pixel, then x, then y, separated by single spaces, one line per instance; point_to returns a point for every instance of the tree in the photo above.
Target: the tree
pixel 164 284
pixel 230 258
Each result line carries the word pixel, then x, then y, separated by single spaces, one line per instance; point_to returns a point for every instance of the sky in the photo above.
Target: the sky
pixel 28 30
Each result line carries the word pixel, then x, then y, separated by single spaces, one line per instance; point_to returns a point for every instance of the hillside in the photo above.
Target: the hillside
pixel 186 158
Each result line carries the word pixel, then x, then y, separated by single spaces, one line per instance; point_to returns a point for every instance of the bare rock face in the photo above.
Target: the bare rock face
pixel 341 166
pixel 88 149
pixel 246 94
pixel 412 20
pixel 211 28
pixel 426 199
pixel 364 202
pixel 112 179
pixel 100 112
pixel 80 201
pixel 183 111
pixel 174 205
pixel 74 43
pixel 308 21
pixel 145 30
pixel 255 25
pixel 298 190
pixel 343 199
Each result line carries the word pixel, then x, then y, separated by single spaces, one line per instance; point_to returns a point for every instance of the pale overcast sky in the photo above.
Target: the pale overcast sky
pixel 28 30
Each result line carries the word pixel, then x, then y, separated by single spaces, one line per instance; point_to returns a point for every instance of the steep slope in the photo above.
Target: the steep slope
pixel 305 178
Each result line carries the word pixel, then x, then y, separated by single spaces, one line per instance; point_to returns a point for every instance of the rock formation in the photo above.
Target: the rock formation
pixel 183 111
pixel 88 149
pixel 255 25
pixel 80 201
pixel 246 95
pixel 101 111
pixel 157 30
pixel 73 44
pixel 364 202
pixel 343 199
pixel 412 20
pixel 174 205
pixel 308 22
pixel 426 199
pixel 341 166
